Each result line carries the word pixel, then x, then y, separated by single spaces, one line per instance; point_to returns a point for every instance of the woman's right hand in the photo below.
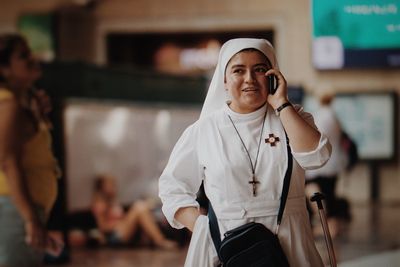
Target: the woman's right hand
pixel 280 96
pixel 35 234
pixel 187 216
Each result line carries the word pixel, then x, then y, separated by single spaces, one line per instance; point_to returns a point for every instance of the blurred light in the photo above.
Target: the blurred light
pixel 114 126
pixel 200 58
pixel 81 2
pixel 162 128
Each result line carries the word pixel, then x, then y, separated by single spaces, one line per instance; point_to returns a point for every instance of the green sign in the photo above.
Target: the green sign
pixel 365 24
pixel 38 30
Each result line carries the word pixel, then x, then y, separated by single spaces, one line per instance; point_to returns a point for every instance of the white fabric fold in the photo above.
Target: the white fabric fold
pixel 316 158
pixel 258 209
pixel 201 251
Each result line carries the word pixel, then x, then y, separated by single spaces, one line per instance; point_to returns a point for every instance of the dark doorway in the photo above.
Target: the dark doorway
pixel 140 49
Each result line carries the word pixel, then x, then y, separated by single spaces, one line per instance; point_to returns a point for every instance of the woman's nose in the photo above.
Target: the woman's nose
pixel 249 77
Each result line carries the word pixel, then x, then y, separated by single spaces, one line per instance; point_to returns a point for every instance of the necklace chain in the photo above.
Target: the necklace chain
pixel 253 167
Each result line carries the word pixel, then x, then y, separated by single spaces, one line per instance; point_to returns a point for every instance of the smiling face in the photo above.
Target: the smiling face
pixel 246 82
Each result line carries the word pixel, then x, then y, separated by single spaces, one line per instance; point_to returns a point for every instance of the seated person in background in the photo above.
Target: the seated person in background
pixel 116 225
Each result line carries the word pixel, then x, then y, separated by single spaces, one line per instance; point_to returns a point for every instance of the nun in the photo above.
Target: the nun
pixel 238 149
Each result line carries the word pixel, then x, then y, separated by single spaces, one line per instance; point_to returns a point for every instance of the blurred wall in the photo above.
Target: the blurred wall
pixel 83 28
pixel 10 10
pixel 289 19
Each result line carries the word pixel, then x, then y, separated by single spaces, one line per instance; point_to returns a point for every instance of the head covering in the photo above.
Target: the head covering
pixel 215 98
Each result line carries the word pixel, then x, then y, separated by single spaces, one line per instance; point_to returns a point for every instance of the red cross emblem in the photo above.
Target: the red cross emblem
pixel 272 139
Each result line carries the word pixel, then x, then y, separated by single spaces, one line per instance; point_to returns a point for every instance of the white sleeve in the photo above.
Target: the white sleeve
pixel 319 156
pixel 182 177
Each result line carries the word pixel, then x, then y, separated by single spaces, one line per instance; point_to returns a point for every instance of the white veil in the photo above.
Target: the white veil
pixel 215 98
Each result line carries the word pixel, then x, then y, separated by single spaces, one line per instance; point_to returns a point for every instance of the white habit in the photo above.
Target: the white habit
pixel 210 150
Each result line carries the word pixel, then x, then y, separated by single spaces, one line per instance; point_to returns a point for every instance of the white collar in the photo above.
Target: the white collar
pixel 245 116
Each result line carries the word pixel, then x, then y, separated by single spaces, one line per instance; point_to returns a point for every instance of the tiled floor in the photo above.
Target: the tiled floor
pixel 375 229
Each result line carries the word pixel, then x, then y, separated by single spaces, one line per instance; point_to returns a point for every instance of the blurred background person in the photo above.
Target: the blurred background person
pixel 324 179
pixel 118 227
pixel 28 169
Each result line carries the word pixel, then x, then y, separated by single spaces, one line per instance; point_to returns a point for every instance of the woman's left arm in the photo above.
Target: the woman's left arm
pixel 302 135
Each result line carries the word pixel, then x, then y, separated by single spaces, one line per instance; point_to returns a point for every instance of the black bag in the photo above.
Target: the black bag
pixel 252 244
pixel 247 246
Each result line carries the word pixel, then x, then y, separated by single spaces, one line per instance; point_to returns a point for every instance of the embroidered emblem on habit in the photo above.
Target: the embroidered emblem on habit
pixel 272 140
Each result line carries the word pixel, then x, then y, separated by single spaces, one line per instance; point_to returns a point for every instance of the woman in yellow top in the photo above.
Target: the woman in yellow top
pixel 28 169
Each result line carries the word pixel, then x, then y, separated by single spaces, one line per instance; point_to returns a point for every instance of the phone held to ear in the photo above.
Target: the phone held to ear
pixel 272 84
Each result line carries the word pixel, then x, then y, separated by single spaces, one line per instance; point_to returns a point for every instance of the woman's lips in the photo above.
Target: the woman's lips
pixel 250 89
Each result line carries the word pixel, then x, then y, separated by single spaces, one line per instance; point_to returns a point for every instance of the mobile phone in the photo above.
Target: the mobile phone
pixel 272 84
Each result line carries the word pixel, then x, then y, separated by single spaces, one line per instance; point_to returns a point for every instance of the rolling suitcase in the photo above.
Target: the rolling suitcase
pixel 318 197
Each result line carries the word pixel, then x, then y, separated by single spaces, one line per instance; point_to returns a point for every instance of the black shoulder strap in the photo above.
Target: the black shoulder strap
pixel 214 228
pixel 213 222
pixel 286 183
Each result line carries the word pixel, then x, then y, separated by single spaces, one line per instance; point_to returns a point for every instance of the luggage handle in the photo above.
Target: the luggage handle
pixel 318 197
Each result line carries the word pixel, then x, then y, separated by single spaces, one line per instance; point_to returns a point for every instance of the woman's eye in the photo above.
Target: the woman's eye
pixel 237 71
pixel 263 70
